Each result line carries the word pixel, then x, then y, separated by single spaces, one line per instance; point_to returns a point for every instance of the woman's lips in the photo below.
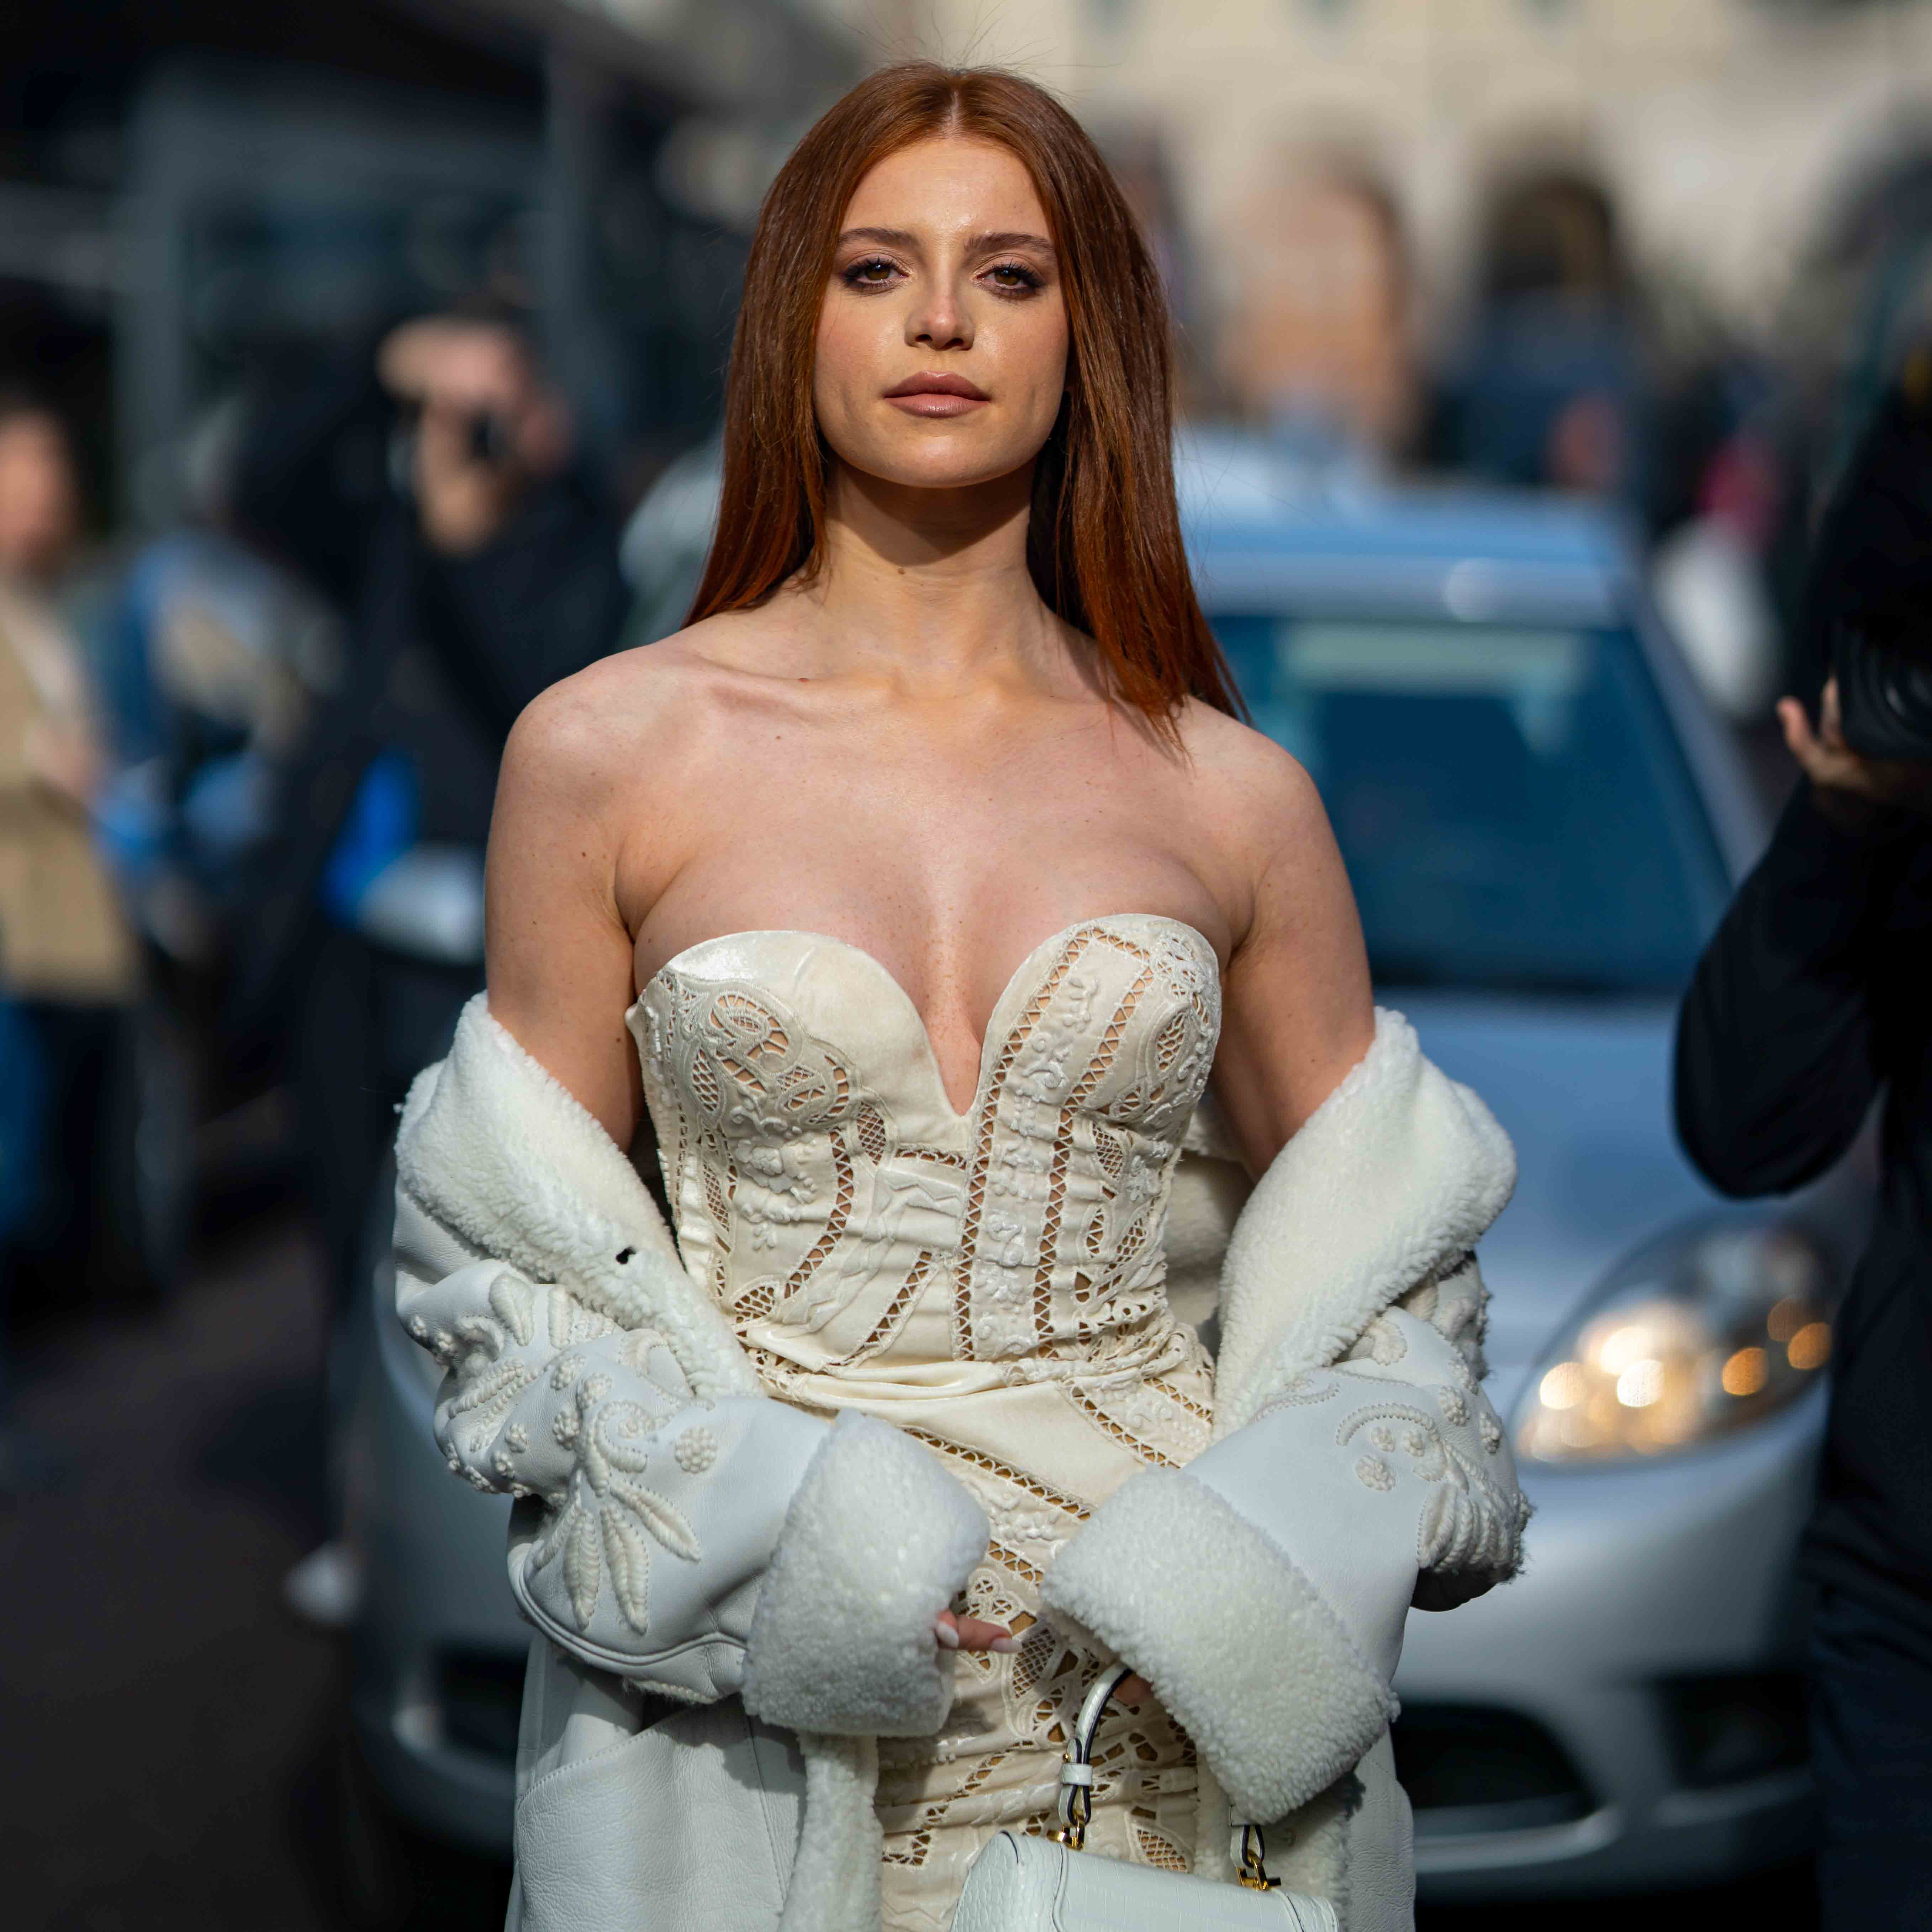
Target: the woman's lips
pixel 936 403
pixel 936 395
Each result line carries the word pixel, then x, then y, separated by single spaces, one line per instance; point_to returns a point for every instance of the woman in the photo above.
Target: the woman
pixel 935 874
pixel 69 967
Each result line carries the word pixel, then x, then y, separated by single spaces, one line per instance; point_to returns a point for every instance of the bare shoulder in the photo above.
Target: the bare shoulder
pixel 1298 1011
pixel 636 714
pixel 1262 832
pixel 1259 793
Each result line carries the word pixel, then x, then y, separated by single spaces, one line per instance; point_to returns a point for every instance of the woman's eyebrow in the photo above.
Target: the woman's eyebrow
pixel 1012 239
pixel 886 237
pixel 981 244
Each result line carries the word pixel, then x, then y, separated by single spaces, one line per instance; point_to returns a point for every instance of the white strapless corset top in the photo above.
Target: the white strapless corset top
pixel 991 1282
pixel 852 1223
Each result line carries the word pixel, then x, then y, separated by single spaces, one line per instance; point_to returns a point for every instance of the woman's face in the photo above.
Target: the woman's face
pixel 39 501
pixel 942 339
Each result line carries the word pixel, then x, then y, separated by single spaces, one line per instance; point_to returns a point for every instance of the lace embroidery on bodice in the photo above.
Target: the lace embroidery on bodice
pixel 840 1210
pixel 992 1282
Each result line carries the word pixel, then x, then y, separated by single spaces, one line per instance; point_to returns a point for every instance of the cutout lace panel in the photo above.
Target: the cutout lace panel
pixel 1119 1431
pixel 1199 1411
pixel 942 1156
pixel 887 1328
pixel 718 1199
pixel 836 1222
pixel 1110 1044
pixel 991 1466
pixel 754 1304
pixel 870 1127
pixel 1154 1848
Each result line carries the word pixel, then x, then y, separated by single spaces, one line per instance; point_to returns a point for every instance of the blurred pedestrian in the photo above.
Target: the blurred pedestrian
pixel 1815 997
pixel 67 962
pixel 1550 390
pixel 1318 342
pixel 211 659
pixel 429 491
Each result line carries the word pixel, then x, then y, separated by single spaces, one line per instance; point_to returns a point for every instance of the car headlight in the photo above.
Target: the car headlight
pixel 1697 1336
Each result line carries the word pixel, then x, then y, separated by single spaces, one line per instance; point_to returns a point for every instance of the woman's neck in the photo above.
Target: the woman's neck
pixel 930 588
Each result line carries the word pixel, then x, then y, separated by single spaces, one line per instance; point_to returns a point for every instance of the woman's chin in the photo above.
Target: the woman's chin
pixel 938 465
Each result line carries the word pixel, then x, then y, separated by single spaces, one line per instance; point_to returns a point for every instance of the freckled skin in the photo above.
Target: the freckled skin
pixel 912 753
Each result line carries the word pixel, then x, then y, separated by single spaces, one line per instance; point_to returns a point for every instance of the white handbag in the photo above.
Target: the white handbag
pixel 1021 1883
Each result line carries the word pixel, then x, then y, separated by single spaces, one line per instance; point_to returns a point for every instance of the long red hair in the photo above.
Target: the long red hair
pixel 1104 543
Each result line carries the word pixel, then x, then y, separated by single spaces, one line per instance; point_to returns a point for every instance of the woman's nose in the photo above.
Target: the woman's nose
pixel 940 321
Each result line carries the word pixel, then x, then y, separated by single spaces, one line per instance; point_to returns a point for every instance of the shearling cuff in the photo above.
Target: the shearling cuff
pixel 878 1541
pixel 1238 1643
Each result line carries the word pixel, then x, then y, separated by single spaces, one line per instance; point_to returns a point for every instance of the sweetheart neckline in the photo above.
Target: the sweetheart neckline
pixel 676 962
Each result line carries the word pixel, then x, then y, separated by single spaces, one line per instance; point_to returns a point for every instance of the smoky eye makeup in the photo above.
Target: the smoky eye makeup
pixel 1013 279
pixel 869 274
pixel 1009 263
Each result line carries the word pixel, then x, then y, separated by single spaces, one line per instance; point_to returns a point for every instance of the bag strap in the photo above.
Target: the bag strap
pixel 1076 1783
pixel 1076 1769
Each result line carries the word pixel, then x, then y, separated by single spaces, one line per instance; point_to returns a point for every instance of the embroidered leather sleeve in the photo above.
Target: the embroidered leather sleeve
pixel 701 1548
pixel 1263 1589
pixel 525 1367
pixel 647 1517
pixel 1403 1417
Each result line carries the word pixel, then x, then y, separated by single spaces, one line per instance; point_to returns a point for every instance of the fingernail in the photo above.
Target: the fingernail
pixel 948 1637
pixel 1005 1645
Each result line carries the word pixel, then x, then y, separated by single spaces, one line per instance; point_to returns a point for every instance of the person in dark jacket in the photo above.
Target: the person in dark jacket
pixel 1814 999
pixel 429 492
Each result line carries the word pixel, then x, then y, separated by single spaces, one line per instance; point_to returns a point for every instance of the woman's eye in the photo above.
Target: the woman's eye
pixel 875 272
pixel 1014 277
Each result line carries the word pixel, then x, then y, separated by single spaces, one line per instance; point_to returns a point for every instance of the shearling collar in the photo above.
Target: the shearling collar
pixel 1396 1174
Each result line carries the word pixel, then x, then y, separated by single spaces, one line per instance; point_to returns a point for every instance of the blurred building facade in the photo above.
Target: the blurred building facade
pixel 189 196
pixel 194 199
pixel 1731 136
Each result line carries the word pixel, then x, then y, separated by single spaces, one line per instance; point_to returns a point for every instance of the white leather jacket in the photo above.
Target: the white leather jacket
pixel 677 1530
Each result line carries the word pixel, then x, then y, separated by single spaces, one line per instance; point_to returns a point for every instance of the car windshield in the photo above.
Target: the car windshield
pixel 1512 803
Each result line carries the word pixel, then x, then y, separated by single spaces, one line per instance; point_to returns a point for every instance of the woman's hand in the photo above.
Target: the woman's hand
pixel 970 1633
pixel 1855 793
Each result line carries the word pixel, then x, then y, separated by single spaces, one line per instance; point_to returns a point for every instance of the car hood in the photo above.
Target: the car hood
pixel 1583 1087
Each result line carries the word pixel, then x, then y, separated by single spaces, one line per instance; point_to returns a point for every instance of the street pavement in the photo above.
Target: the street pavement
pixel 174 1758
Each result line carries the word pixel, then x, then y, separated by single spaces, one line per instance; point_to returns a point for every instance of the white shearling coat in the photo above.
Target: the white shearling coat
pixel 681 1536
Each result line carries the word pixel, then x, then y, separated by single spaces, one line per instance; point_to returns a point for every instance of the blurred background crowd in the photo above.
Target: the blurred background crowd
pixel 358 367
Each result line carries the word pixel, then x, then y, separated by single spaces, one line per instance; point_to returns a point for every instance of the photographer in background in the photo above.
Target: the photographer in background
pixel 429 493
pixel 1813 997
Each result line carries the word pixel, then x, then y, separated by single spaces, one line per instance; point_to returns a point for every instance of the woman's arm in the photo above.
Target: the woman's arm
pixel 1263 1589
pixel 1296 1012
pixel 559 953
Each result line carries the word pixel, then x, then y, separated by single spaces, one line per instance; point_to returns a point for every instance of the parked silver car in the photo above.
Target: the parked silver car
pixel 1542 822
